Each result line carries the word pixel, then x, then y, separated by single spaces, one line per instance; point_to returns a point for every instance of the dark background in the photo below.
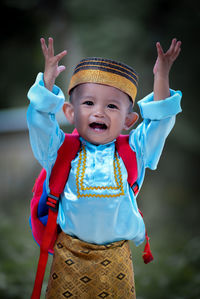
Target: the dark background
pixel 126 31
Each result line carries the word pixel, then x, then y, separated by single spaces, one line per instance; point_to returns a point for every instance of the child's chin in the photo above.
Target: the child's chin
pixel 96 136
pixel 98 140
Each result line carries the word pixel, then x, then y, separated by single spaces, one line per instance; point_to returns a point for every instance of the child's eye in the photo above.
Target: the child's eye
pixel 88 103
pixel 112 106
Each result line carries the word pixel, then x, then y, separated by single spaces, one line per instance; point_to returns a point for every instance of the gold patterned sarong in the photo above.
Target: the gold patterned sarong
pixel 83 270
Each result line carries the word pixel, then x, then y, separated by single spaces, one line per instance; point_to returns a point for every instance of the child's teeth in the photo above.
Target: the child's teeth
pixel 98 126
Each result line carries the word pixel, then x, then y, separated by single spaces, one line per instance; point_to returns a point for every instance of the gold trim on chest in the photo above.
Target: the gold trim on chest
pixel 83 191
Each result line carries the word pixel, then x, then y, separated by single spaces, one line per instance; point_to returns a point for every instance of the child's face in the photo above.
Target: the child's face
pixel 99 112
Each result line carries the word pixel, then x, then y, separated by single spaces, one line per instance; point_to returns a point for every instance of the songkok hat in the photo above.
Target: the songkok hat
pixel 105 71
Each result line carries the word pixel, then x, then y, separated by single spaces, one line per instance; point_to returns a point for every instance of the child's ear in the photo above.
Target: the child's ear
pixel 68 110
pixel 131 119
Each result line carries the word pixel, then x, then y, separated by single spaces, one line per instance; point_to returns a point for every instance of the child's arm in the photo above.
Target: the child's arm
pixel 46 99
pixel 52 69
pixel 148 139
pixel 162 68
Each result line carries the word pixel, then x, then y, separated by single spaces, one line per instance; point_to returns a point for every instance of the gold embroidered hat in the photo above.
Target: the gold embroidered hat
pixel 105 71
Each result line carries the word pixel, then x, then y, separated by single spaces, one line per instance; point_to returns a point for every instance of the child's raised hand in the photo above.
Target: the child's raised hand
pixel 52 69
pixel 165 61
pixel 162 68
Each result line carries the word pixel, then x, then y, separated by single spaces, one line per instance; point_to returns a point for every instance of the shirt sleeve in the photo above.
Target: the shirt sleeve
pixel 45 135
pixel 148 139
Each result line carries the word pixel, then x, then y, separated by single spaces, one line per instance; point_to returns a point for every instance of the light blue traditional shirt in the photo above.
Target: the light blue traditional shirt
pixel 98 205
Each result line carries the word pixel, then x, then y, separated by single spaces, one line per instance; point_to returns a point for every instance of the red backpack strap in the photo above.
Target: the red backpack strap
pixel 58 178
pixel 61 169
pixel 129 158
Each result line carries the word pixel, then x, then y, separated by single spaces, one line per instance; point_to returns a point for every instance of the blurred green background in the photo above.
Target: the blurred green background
pixel 126 31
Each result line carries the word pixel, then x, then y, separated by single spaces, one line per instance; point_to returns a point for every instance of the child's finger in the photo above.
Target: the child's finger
pixel 43 46
pixel 61 68
pixel 51 47
pixel 178 46
pixel 170 51
pixel 159 49
pixel 177 50
pixel 61 55
pixel 172 46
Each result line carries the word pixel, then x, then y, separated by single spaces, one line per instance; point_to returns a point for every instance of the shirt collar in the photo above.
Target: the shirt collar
pixel 94 146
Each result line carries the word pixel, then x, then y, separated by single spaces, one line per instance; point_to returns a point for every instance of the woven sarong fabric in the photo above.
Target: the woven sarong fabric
pixel 83 270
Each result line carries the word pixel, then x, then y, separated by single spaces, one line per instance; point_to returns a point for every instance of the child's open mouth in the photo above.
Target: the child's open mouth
pixel 98 126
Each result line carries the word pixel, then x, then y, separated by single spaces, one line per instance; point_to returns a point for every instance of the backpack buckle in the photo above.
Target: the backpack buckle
pixel 135 188
pixel 52 202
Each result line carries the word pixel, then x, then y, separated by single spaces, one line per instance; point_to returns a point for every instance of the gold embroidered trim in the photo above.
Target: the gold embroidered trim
pixel 110 79
pixel 81 173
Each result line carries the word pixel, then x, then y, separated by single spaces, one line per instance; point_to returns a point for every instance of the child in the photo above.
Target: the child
pixel 98 212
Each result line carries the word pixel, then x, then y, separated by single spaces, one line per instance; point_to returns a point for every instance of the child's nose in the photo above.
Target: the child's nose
pixel 99 112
